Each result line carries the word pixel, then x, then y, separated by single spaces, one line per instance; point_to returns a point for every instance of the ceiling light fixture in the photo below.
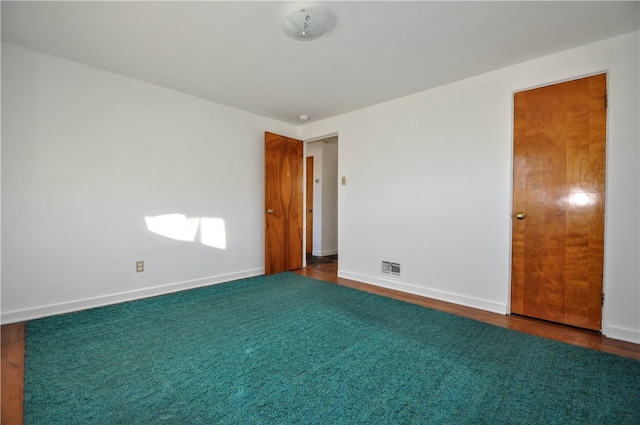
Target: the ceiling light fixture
pixel 304 118
pixel 303 25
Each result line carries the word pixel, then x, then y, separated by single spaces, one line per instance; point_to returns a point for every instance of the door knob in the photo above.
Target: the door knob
pixel 521 216
pixel 269 211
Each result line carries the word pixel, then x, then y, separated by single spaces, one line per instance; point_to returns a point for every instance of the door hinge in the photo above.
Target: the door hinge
pixel 606 101
pixel 602 298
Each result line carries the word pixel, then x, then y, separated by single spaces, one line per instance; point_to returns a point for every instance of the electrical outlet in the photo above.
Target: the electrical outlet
pixel 139 266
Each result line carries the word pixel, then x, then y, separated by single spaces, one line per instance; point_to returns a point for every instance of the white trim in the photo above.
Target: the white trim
pixel 324 253
pixel 429 293
pixel 315 139
pixel 72 306
pixel 612 332
pixel 622 334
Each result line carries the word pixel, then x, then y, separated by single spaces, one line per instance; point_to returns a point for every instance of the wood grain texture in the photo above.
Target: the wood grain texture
pixel 283 196
pixel 518 230
pixel 13 340
pixel 558 182
pixel 309 206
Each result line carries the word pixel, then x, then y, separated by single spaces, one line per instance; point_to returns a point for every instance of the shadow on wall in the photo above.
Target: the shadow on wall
pixel 182 228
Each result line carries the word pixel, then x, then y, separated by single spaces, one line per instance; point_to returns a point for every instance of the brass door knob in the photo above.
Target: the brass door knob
pixel 521 216
pixel 269 211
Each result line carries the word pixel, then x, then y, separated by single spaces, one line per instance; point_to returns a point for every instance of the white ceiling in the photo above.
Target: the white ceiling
pixel 236 54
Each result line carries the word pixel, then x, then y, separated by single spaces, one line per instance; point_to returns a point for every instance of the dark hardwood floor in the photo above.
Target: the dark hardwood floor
pixel 326 268
pixel 328 271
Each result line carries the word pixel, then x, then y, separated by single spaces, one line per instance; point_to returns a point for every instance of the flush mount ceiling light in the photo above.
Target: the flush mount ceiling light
pixel 303 25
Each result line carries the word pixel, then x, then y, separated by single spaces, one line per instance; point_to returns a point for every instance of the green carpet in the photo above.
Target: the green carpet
pixel 286 349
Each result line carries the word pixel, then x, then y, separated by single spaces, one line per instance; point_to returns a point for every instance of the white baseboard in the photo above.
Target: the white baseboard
pixel 77 305
pixel 610 331
pixel 623 334
pixel 613 332
pixel 324 253
pixel 427 292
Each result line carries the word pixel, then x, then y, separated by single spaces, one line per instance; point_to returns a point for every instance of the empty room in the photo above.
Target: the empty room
pixel 237 212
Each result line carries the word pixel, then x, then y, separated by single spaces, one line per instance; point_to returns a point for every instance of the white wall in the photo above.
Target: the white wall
pixel 429 184
pixel 87 155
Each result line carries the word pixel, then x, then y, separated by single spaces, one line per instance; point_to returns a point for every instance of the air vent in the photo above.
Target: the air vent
pixel 390 268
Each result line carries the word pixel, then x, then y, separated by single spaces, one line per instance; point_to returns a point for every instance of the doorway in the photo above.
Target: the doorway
pixel 558 202
pixel 322 225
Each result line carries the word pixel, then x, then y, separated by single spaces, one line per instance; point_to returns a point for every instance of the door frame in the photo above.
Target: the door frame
pixel 604 321
pixel 304 189
pixel 309 160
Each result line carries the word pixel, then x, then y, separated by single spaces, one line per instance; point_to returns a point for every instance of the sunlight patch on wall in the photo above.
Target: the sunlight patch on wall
pixel 212 232
pixel 182 228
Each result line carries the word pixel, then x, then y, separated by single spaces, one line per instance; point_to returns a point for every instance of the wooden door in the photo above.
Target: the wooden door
pixel 558 202
pixel 283 203
pixel 309 208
